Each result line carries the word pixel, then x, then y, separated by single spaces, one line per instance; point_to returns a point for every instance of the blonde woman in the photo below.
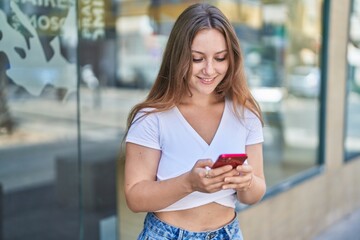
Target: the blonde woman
pixel 198 108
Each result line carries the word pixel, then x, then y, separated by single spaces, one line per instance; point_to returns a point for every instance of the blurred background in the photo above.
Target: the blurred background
pixel 70 71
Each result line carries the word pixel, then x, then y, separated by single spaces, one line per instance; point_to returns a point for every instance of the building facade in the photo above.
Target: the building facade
pixel 70 71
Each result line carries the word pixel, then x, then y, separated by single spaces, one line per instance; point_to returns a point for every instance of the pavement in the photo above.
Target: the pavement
pixel 347 228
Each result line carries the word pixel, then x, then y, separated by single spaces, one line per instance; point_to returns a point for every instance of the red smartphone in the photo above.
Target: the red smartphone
pixel 233 159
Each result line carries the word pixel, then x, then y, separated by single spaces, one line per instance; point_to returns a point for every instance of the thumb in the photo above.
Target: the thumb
pixel 202 163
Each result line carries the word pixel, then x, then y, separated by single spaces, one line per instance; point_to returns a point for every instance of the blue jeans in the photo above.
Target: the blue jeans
pixel 155 229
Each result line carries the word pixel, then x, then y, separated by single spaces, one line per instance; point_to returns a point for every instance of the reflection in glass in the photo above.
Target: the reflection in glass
pixel 38 120
pixel 282 62
pixel 352 133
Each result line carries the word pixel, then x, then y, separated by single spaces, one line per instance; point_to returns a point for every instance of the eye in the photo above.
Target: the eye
pixel 220 59
pixel 197 60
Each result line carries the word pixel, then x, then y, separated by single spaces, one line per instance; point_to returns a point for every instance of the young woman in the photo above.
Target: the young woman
pixel 198 108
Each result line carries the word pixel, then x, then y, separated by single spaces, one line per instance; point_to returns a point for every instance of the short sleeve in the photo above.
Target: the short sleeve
pixel 144 131
pixel 255 128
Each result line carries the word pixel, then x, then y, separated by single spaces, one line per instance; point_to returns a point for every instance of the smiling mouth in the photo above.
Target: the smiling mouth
pixel 207 80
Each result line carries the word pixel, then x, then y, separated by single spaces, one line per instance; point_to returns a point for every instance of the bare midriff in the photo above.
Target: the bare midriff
pixel 208 217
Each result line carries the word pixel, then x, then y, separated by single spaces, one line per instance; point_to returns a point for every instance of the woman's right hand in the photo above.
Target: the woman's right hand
pixel 204 179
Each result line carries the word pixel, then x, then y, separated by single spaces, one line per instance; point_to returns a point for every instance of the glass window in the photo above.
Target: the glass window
pixel 352 131
pixel 38 120
pixel 58 146
pixel 281 41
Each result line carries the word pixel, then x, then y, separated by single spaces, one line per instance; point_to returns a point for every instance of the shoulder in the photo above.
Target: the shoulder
pixel 240 110
pixel 152 114
pixel 146 113
pixel 248 114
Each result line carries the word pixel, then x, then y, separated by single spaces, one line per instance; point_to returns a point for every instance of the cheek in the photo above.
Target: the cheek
pixel 196 68
pixel 224 68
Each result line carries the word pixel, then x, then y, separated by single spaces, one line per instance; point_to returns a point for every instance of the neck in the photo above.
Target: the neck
pixel 201 101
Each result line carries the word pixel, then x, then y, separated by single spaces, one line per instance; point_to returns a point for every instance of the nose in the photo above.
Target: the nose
pixel 208 68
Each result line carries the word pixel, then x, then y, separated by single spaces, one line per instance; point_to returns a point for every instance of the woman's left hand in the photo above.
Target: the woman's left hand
pixel 241 179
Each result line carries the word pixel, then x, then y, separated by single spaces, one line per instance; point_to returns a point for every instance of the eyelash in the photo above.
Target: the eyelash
pixel 197 60
pixel 220 59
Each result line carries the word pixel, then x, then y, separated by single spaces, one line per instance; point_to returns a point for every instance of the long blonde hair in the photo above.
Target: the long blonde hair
pixel 172 80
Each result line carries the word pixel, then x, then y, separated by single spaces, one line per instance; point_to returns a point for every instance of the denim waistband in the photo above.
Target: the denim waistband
pixel 159 228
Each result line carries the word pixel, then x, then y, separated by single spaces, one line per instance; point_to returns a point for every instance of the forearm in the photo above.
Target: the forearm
pixel 149 196
pixel 255 193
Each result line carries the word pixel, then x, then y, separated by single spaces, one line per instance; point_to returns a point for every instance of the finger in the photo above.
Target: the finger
pixel 210 173
pixel 239 177
pixel 215 187
pixel 238 187
pixel 207 173
pixel 211 184
pixel 240 183
pixel 244 169
pixel 217 175
pixel 202 163
pixel 221 170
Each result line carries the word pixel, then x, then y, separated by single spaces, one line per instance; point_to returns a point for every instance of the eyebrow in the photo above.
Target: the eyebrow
pixel 204 53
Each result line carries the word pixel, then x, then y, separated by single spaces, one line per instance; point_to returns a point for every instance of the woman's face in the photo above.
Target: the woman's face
pixel 210 61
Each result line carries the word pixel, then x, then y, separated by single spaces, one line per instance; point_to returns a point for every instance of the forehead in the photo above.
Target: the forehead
pixel 209 41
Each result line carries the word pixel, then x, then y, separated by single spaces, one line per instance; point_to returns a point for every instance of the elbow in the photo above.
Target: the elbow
pixel 134 209
pixel 256 200
pixel 133 205
pixel 251 201
pixel 133 200
pixel 138 204
pixel 260 195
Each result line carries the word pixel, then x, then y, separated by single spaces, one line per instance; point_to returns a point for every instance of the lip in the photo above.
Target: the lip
pixel 207 80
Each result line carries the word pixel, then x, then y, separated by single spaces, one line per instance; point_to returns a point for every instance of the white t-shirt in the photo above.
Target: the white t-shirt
pixel 181 146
